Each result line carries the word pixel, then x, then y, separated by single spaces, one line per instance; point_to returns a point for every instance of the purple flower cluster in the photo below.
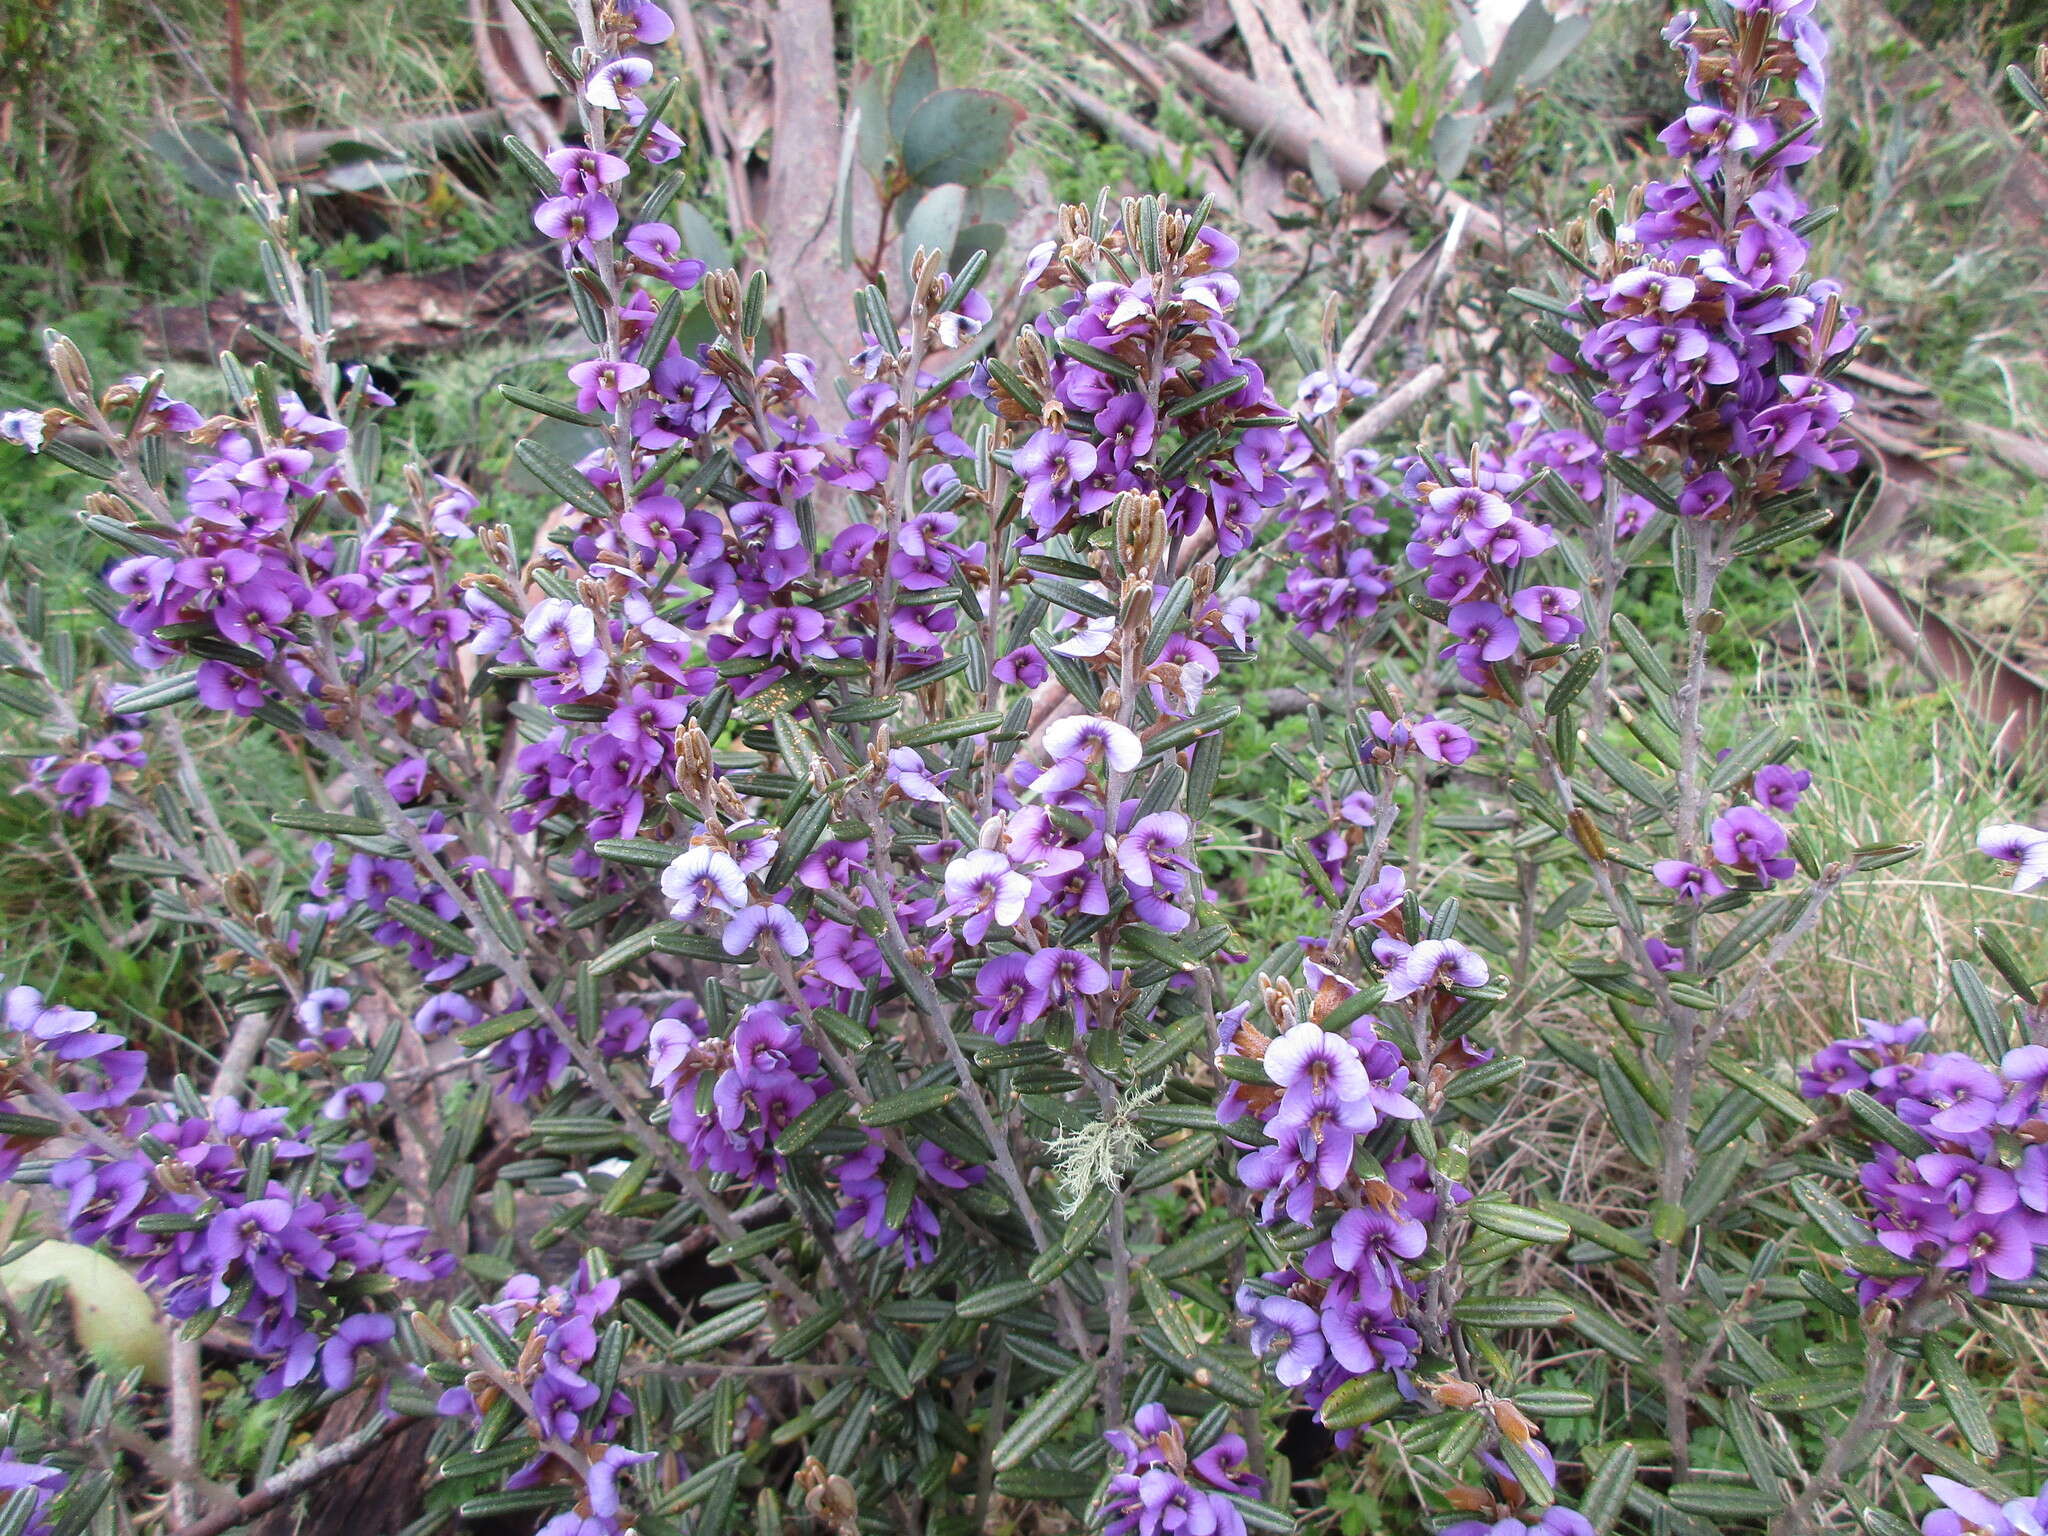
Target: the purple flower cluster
pixel 729 1097
pixel 557 1330
pixel 1975 1203
pixel 1332 521
pixel 218 1211
pixel 1099 430
pixel 1705 334
pixel 1163 1492
pixel 218 1215
pixel 1474 539
pixel 1745 840
pixel 1574 457
pixel 91 1069
pixel 1343 1309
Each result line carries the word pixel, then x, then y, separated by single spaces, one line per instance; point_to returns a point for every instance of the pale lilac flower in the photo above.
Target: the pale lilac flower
pixel 907 771
pixel 983 890
pixel 1967 1512
pixel 614 84
pixel 1435 963
pixel 774 919
pixel 702 877
pixel 2012 843
pixel 1077 742
pixel 24 429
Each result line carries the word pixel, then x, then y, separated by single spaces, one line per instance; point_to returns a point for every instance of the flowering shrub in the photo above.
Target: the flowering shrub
pixel 789 873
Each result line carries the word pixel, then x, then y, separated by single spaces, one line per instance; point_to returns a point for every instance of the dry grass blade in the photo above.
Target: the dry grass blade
pixel 2011 700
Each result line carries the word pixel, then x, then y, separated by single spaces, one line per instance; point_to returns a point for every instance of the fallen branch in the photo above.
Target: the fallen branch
pixel 2006 697
pixel 1294 132
pixel 301 1474
pixel 378 317
pixel 1392 406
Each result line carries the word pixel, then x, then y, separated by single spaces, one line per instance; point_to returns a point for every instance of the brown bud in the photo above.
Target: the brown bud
pixel 694 776
pixel 1463 1496
pixel 722 293
pixel 1450 1392
pixel 68 363
pixel 1512 1422
pixel 1174 231
pixel 101 504
pixel 1140 523
pixel 241 895
pixel 1329 994
pixel 829 1498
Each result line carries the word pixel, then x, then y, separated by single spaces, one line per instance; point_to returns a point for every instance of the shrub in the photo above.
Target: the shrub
pixel 739 1018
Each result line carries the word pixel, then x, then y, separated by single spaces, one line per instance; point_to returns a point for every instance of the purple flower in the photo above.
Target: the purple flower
pixel 563 638
pixel 1290 1334
pixel 983 890
pixel 702 877
pixel 1441 741
pixel 1780 787
pixel 577 219
pixel 1146 853
pixel 366 1330
pixel 348 1095
pixel 1688 882
pixel 1051 465
pixel 600 382
pixel 1745 838
pixel 907 771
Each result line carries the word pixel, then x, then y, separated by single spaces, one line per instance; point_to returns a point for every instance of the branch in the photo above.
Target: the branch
pixel 302 1473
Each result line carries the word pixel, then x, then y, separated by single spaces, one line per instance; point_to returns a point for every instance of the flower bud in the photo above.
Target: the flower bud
pixel 829 1498
pixel 1140 524
pixel 102 504
pixel 722 298
pixel 68 363
pixel 694 775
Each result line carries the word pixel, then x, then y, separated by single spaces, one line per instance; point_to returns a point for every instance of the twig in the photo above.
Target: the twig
pixel 1389 408
pixel 302 1473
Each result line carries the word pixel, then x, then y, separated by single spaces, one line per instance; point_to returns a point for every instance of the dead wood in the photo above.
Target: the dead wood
pixel 809 283
pixel 2007 698
pixel 376 317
